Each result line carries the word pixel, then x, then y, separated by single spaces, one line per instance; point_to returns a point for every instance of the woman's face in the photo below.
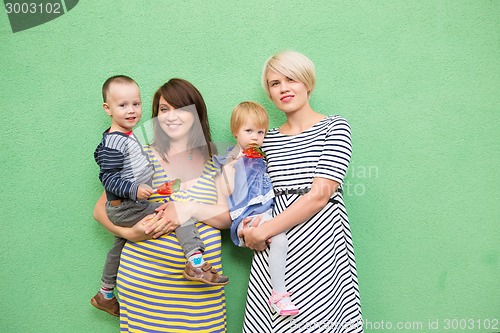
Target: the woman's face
pixel 287 94
pixel 176 123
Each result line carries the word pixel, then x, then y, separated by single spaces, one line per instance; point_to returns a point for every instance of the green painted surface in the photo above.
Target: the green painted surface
pixel 419 82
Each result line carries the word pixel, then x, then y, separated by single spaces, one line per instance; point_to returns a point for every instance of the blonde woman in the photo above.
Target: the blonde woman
pixel 307 157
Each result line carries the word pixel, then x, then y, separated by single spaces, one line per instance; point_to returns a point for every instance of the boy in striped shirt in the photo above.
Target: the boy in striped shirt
pixel 125 172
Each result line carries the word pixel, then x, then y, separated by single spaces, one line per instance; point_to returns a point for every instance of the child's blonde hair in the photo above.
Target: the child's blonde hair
pixel 248 110
pixel 293 65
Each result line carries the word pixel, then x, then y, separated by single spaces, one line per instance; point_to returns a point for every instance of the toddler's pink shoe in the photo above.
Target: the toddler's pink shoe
pixel 281 306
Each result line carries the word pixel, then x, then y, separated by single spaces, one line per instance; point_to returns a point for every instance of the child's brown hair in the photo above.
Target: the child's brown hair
pixel 115 79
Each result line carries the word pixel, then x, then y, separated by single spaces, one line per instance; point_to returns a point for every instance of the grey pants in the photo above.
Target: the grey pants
pixel 127 215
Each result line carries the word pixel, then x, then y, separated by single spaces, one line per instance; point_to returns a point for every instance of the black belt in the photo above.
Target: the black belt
pixel 303 191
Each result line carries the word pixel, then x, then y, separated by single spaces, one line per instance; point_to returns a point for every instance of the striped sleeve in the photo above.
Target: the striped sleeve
pixel 336 155
pixel 111 162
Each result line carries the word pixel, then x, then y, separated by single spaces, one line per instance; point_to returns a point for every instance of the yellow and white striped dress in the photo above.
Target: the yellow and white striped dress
pixel 154 296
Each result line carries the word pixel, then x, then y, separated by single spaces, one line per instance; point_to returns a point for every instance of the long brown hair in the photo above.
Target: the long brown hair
pixel 180 93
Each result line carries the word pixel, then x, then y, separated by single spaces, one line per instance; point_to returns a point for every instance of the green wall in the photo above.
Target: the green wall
pixel 419 82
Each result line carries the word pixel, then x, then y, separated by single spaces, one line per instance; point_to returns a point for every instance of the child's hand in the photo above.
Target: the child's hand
pixel 144 191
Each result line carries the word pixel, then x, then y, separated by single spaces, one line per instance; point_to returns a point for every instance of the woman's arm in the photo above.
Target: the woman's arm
pixel 152 226
pixel 301 210
pixel 216 215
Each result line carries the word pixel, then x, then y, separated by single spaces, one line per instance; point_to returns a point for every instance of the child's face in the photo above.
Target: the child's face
pixel 123 104
pixel 249 135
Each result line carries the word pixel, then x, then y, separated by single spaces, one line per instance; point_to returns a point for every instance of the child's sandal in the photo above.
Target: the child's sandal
pixel 283 308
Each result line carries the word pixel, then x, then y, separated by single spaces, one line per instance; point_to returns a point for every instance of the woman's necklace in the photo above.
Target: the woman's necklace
pixel 179 156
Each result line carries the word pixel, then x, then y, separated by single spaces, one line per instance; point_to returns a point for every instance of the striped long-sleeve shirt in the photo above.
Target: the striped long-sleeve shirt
pixel 124 165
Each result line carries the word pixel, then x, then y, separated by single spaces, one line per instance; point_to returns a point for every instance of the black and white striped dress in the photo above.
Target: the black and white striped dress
pixel 320 267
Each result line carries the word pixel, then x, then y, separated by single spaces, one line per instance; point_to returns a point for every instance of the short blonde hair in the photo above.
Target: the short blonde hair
pixel 249 111
pixel 293 65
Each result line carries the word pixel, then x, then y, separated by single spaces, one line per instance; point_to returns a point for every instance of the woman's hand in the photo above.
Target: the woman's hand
pixel 253 237
pixel 177 212
pixel 152 226
pixel 159 224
